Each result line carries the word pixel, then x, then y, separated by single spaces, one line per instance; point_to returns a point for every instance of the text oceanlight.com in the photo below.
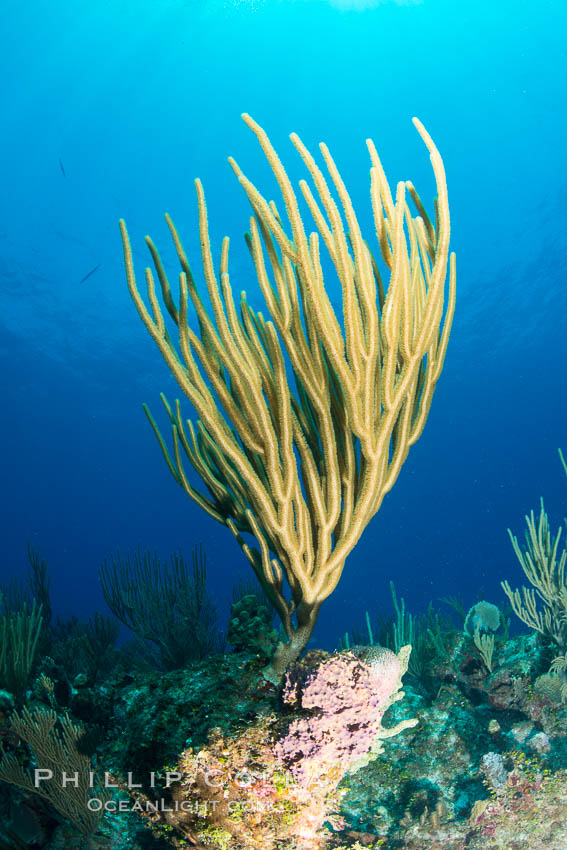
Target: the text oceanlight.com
pixel 197 807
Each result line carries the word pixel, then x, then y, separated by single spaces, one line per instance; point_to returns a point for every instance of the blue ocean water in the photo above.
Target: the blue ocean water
pixel 111 109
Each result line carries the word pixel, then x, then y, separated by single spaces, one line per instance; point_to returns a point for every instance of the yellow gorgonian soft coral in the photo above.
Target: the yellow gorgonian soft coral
pixel 304 419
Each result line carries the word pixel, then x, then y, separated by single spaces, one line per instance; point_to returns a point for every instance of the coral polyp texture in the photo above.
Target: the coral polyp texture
pixel 306 418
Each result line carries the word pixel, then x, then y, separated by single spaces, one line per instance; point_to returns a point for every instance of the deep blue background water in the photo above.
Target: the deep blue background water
pixel 136 98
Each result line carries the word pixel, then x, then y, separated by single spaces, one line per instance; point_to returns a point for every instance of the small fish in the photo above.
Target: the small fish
pixel 62 167
pixel 92 271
